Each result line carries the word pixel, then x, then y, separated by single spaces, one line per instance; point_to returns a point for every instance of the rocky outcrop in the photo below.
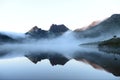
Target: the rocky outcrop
pixel 58 28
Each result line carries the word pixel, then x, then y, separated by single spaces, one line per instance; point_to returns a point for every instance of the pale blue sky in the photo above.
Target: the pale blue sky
pixel 21 15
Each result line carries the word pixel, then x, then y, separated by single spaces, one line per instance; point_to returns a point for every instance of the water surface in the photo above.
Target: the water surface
pixel 84 63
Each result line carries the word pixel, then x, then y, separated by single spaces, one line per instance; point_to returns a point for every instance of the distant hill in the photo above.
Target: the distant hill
pixel 108 27
pixel 5 38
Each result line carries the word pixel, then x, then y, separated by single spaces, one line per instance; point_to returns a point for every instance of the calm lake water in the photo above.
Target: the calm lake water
pixel 83 64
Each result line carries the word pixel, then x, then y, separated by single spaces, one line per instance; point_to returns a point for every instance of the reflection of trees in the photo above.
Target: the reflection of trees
pixel 110 50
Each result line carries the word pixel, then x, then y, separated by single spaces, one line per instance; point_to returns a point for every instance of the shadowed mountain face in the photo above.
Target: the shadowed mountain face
pixel 108 27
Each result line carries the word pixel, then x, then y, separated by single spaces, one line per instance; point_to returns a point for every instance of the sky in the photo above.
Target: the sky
pixel 22 15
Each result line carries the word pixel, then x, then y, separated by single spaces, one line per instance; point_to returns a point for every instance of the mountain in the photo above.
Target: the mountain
pixel 54 31
pixel 108 27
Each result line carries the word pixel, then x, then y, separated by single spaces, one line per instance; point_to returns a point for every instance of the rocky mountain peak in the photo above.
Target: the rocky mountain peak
pixel 58 28
pixel 34 29
pixel 36 32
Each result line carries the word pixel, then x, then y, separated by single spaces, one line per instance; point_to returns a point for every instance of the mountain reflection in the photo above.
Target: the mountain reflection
pixel 54 58
pixel 92 56
pixel 100 60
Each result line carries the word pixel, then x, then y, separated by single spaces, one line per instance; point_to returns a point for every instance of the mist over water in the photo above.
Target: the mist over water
pixel 65 43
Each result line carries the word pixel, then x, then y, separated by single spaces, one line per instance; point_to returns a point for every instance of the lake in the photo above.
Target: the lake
pixel 75 63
